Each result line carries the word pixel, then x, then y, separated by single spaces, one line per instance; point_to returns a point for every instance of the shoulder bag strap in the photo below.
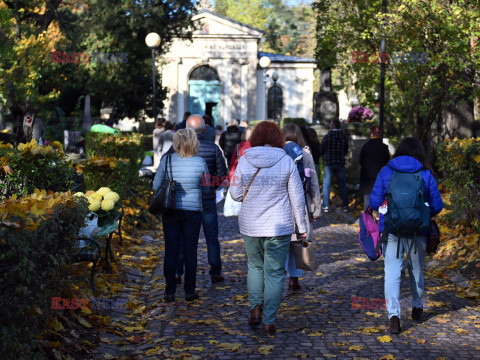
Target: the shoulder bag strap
pixel 248 187
pixel 238 152
pixel 170 160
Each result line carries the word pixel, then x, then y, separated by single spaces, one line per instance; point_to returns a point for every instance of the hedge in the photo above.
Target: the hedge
pixel 37 237
pixel 298 121
pixel 28 167
pixel 116 174
pixel 127 146
pixel 117 161
pixel 459 164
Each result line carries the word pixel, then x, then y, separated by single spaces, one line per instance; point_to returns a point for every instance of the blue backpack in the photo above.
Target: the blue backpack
pixel 407 214
pixel 295 152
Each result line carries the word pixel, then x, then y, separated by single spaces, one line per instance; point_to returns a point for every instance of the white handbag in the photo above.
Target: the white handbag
pixel 91 225
pixel 231 207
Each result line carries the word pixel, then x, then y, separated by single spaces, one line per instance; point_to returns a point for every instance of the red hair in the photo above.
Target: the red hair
pixel 267 133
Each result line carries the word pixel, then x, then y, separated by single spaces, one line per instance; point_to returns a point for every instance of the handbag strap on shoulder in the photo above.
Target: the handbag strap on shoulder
pixel 169 160
pixel 248 187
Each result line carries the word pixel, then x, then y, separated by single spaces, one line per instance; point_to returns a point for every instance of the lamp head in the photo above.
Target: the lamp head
pixel 152 40
pixel 275 76
pixel 265 62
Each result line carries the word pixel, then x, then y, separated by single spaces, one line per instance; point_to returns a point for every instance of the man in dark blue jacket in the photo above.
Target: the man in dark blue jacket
pixel 212 155
pixel 334 149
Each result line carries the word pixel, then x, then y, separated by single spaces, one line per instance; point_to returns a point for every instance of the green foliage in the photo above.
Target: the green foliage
pixel 125 146
pixel 116 174
pixel 459 164
pixel 29 34
pixel 298 121
pixel 416 92
pixel 24 171
pixel 33 268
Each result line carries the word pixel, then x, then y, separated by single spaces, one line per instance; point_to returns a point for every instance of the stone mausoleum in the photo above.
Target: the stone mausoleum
pixel 218 74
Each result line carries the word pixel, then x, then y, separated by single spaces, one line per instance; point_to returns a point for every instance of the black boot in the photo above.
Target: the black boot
pixel 417 314
pixel 394 325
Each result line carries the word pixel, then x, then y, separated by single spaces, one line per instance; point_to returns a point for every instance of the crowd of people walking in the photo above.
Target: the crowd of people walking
pixel 274 173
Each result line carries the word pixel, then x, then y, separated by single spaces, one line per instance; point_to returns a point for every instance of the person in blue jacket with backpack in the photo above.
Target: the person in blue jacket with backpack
pixel 408 185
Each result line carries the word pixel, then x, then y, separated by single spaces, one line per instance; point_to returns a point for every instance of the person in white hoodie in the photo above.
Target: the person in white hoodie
pixel 268 183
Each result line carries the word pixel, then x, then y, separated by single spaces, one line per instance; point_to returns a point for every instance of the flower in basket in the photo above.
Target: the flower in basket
pixel 107 204
pixel 103 190
pixel 359 114
pixel 112 195
pixel 94 205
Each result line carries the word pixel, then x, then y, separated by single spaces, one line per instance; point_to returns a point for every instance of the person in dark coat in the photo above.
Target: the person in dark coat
pixel 229 139
pixel 182 125
pixel 209 133
pixel 212 155
pixel 334 149
pixel 373 157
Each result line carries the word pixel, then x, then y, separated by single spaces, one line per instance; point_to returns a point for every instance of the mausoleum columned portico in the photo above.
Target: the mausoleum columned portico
pixel 217 73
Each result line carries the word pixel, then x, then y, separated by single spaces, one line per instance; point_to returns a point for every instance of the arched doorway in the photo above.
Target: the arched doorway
pixel 204 93
pixel 275 102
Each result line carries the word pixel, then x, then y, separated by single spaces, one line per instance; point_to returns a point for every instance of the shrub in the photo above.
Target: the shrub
pixel 28 167
pixel 116 174
pixel 298 121
pixel 107 149
pixel 37 242
pixel 459 164
pixel 128 146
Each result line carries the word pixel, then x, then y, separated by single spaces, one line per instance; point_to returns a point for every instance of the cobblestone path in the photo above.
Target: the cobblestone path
pixel 319 322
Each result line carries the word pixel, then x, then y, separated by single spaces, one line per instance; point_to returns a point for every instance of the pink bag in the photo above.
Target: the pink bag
pixel 369 236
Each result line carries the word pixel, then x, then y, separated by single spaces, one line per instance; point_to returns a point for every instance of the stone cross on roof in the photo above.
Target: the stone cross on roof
pixel 205 4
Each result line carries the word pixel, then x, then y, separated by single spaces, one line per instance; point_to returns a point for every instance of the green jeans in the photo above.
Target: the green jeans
pixel 266 271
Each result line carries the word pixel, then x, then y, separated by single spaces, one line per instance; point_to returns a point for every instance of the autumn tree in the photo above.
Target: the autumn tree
pixel 417 91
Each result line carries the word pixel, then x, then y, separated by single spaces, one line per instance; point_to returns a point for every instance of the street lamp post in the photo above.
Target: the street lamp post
pixel 264 63
pixel 153 41
pixel 275 78
pixel 382 68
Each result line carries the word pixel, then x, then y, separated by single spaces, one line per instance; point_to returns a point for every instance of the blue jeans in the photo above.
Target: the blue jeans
pixel 291 267
pixel 339 171
pixel 210 230
pixel 266 271
pixel 393 269
pixel 181 226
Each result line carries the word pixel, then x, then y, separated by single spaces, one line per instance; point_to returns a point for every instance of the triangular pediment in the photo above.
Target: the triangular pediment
pixel 211 23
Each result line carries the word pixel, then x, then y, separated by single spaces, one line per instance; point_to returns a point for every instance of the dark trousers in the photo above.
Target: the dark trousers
pixel 210 230
pixel 181 226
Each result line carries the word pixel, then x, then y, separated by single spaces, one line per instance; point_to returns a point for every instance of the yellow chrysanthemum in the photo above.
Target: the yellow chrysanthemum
pixel 79 194
pixel 90 192
pixel 112 195
pixel 95 206
pixel 103 190
pixel 108 205
pixel 97 196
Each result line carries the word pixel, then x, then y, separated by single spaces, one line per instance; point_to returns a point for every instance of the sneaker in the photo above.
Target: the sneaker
pixel 325 210
pixel 394 325
pixel 417 314
pixel 217 278
pixel 192 297
pixel 169 298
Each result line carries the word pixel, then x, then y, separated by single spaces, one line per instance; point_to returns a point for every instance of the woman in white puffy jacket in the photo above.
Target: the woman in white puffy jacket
pixel 267 181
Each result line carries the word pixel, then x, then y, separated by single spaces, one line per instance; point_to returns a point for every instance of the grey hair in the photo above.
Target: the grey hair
pixel 200 128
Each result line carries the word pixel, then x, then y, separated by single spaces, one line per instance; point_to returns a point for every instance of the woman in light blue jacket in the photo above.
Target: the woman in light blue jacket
pixel 183 222
pixel 267 181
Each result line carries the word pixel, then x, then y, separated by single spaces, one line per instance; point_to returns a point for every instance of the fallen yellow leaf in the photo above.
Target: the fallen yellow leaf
pixel 385 339
pixel 265 349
